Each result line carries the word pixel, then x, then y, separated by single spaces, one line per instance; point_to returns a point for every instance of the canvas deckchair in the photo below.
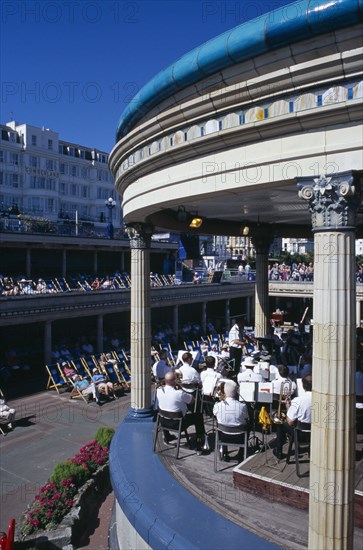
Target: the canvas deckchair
pixel 56 379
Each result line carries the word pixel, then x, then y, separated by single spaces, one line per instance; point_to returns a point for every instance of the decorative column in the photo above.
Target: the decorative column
pixel 176 321
pixel 28 263
pixel 100 333
pixel 48 342
pixel 140 330
pixel 95 262
pixel 262 245
pixel 227 314
pixel 64 262
pixel 333 203
pixel 204 318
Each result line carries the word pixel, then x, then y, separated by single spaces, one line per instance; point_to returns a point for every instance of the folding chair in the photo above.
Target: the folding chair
pixel 167 421
pixel 224 436
pixel 113 376
pixel 124 373
pixel 56 378
pixel 76 393
pixel 302 433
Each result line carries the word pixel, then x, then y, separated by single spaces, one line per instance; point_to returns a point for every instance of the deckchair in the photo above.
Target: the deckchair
pixel 56 378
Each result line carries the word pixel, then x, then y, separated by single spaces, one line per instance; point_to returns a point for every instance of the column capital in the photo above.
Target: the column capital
pixel 333 200
pixel 139 235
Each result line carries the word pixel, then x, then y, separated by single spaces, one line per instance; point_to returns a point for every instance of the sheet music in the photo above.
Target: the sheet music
pixel 265 394
pixel 247 391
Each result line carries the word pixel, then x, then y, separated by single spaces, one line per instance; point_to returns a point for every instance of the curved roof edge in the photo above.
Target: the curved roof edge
pixel 288 24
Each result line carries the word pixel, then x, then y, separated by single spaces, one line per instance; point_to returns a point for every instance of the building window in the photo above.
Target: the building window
pixel 50 144
pixel 62 168
pixel 74 190
pixel 1 156
pixel 50 205
pixel 1 178
pixel 84 173
pixel 33 182
pixel 84 192
pixel 62 188
pixel 71 151
pixel 34 140
pixel 74 170
pixel 14 158
pixel 50 164
pixel 33 162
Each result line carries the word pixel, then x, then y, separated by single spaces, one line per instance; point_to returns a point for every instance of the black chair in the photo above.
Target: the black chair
pixel 302 433
pixel 224 436
pixel 172 422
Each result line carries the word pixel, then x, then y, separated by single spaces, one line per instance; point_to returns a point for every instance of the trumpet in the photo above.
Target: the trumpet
pixel 279 417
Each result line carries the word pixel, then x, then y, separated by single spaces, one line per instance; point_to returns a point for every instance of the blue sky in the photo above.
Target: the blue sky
pixel 73 65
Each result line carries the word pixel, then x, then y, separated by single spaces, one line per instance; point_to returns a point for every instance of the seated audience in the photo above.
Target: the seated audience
pixel 7 415
pixel 101 383
pixel 86 387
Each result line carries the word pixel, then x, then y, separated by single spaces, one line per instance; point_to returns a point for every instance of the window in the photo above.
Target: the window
pixel 35 204
pixel 34 140
pixel 102 158
pixel 50 164
pixel 14 158
pixel 62 168
pixel 84 192
pixel 84 173
pixel 50 205
pixel 74 190
pixel 63 188
pixel 33 162
pixel 50 144
pixel 1 156
pixel 74 170
pixel 71 151
pixel 103 193
pixel 12 137
pixel 1 178
pixel 33 182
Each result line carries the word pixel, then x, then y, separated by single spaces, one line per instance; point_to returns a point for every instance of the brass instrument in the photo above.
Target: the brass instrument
pixel 219 391
pixel 279 417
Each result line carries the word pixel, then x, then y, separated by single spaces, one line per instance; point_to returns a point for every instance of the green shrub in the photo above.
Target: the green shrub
pixel 104 436
pixel 65 470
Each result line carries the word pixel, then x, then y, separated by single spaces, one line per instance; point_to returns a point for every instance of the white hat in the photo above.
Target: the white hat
pixel 249 362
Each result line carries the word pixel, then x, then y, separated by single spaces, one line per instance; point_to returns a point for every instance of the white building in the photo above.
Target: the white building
pixel 44 176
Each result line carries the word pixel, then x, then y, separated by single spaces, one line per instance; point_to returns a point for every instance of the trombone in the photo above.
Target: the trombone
pixel 279 417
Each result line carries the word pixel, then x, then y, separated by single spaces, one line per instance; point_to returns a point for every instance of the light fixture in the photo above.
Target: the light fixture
pixel 182 214
pixel 196 222
pixel 245 230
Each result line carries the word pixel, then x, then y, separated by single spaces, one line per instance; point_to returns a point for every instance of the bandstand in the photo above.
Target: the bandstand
pixel 258 132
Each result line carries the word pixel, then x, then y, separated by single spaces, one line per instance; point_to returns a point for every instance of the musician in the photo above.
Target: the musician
pixel 161 367
pixel 281 377
pixel 236 342
pixel 190 378
pixel 298 410
pixel 231 413
pixel 249 375
pixel 171 399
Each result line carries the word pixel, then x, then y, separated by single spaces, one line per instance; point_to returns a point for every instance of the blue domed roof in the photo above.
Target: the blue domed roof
pixel 283 26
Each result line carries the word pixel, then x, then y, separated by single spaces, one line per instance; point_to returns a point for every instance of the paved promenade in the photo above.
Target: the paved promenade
pixel 49 429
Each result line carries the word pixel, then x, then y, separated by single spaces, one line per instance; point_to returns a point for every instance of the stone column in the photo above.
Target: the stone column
pixel 176 320
pixel 95 262
pixel 100 334
pixel 28 263
pixel 262 245
pixel 249 309
pixel 64 262
pixel 140 330
pixel 204 318
pixel 48 342
pixel 227 314
pixel 333 202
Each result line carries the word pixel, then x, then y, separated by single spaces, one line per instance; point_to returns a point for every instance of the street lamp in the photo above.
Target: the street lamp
pixel 110 204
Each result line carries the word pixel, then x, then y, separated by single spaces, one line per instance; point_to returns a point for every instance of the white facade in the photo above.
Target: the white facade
pixel 44 176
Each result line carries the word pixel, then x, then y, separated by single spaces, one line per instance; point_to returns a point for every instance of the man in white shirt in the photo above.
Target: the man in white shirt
pixel 236 342
pixel 249 375
pixel 298 411
pixel 232 415
pixel 281 378
pixel 190 380
pixel 176 401
pixel 161 367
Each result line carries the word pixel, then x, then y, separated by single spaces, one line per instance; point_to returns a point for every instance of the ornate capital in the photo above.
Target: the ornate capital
pixel 333 200
pixel 139 235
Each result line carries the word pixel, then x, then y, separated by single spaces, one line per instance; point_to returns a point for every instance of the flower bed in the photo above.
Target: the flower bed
pixel 58 509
